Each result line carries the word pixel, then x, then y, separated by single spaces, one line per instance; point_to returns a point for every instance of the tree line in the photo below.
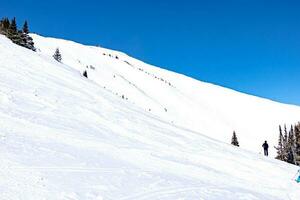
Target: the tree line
pixel 20 37
pixel 288 148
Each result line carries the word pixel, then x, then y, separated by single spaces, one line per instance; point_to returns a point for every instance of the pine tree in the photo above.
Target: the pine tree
pixel 19 37
pixel 279 148
pixel 57 55
pixel 13 26
pixel 23 39
pixel 13 33
pixel 85 74
pixel 4 26
pixel 285 144
pixel 5 22
pixel 1 27
pixel 290 146
pixel 234 140
pixel 25 28
pixel 27 41
pixel 297 143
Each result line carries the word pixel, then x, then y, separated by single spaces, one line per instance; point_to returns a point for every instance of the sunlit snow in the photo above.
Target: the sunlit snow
pixel 131 131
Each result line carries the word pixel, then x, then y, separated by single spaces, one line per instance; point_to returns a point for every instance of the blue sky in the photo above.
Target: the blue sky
pixel 251 46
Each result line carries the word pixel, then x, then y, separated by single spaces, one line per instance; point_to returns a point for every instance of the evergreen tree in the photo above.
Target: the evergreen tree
pixel 85 74
pixel 57 55
pixel 4 26
pixel 297 143
pixel 25 28
pixel 5 22
pixel 27 41
pixel 285 144
pixel 234 140
pixel 17 36
pixel 291 138
pixel 13 33
pixel 285 137
pixel 13 26
pixel 23 39
pixel 290 146
pixel 1 27
pixel 279 148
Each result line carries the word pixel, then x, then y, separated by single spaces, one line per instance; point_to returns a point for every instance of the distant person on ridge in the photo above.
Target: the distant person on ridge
pixel 266 147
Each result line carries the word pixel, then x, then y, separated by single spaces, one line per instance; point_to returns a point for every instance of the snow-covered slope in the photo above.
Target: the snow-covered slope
pixel 63 136
pixel 209 109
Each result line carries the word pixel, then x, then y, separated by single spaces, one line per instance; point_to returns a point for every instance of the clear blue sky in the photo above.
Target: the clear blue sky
pixel 251 46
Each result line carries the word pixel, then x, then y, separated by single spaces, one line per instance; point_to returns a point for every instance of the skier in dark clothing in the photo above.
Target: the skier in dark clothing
pixel 266 147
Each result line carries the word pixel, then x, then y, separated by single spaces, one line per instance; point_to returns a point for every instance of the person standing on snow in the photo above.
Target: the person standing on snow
pixel 266 147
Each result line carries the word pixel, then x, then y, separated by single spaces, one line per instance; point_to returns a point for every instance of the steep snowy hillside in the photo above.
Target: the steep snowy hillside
pixel 202 107
pixel 64 137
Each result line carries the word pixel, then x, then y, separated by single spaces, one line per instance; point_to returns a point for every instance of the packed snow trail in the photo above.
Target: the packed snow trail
pixel 62 136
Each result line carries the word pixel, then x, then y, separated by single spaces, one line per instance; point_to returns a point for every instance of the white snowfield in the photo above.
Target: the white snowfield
pixel 130 131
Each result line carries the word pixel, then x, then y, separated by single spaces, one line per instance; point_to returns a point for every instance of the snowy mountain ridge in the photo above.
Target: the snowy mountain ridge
pixel 199 106
pixel 67 137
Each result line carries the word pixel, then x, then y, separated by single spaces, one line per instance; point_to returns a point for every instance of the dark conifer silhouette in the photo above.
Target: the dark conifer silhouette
pixel 291 146
pixel 297 144
pixel 27 40
pixel 13 33
pixel 19 37
pixel 85 74
pixel 288 148
pixel 234 140
pixel 13 25
pixel 4 26
pixel 57 56
pixel 279 148
pixel 25 28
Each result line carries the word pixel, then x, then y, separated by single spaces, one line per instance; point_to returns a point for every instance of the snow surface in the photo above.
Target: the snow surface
pixel 206 108
pixel 63 136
